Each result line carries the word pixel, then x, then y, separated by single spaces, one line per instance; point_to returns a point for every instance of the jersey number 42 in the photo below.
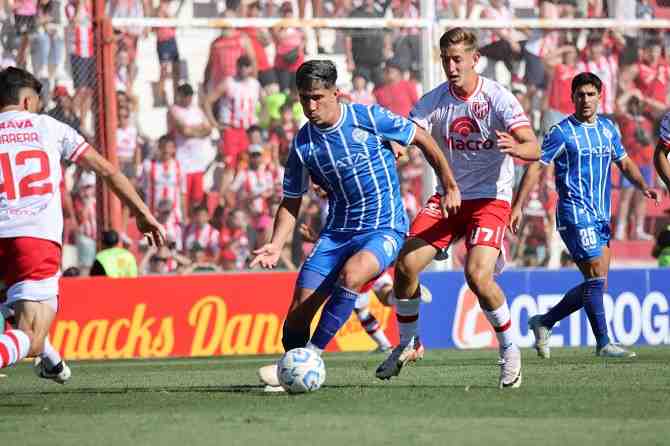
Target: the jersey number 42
pixel 27 186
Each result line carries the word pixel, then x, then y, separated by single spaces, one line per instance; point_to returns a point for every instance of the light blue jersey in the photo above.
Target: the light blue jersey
pixel 582 154
pixel 353 162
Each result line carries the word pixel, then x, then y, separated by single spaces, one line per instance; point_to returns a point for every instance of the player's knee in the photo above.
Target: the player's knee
pixel 477 279
pixel 351 279
pixel 408 267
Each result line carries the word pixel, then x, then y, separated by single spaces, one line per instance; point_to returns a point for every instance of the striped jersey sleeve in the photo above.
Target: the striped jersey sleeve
pixel 552 145
pixel 296 175
pixel 664 130
pixel 392 127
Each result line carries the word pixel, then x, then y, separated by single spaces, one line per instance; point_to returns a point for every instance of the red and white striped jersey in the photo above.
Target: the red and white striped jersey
pixel 607 69
pixel 238 103
pixel 174 231
pixel 465 129
pixel 251 186
pixel 194 154
pixel 163 180
pixel 205 235
pixel 31 150
pixel 80 32
pixel 126 143
pixel 85 209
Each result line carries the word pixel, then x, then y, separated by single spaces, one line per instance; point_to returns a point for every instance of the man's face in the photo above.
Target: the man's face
pixel 653 54
pixel 459 64
pixel 168 150
pixel 185 101
pixel 319 104
pixel 596 50
pixel 586 99
pixel 244 71
pixel 570 57
pixel 202 217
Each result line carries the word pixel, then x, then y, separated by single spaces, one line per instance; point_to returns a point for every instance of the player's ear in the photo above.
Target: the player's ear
pixel 475 58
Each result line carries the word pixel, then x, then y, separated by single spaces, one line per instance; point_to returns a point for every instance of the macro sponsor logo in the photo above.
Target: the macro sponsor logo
pixel 464 134
pixel 631 319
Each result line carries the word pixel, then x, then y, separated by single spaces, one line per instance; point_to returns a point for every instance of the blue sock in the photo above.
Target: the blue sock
pixel 293 338
pixel 595 310
pixel 571 302
pixel 335 313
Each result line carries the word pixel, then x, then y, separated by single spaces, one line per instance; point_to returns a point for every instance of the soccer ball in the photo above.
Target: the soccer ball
pixel 301 370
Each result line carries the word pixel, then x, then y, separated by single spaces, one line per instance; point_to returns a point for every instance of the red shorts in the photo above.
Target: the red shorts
pixel 195 191
pixel 29 259
pixel 233 142
pixel 482 221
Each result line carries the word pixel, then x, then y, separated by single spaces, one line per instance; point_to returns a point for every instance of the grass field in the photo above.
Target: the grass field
pixel 448 398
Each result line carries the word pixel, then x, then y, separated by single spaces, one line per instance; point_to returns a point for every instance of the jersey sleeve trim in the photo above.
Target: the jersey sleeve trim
pixel 664 142
pixel 621 157
pixel 79 151
pixel 293 195
pixel 545 163
pixel 412 133
pixel 518 125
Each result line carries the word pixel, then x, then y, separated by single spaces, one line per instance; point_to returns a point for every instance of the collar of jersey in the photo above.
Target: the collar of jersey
pixel 474 93
pixel 584 124
pixel 332 128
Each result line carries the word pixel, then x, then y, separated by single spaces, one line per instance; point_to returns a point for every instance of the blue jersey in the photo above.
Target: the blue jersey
pixel 582 154
pixel 353 162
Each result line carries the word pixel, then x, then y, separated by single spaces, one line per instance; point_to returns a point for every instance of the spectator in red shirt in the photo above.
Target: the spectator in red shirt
pixel 396 93
pixel 360 94
pixel 290 49
pixel 651 75
pixel 559 102
pixel 637 138
pixel 259 39
pixel 234 238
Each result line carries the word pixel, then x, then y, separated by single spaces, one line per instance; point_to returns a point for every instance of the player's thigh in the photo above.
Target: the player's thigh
pixel 430 226
pixel 480 264
pixel 373 253
pixel 415 255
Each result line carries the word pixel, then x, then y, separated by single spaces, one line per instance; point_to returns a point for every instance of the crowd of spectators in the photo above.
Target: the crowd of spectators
pixel 214 179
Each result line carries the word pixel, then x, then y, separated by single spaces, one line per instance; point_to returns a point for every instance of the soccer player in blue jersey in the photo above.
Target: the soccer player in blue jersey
pixel 346 150
pixel 582 148
pixel 662 152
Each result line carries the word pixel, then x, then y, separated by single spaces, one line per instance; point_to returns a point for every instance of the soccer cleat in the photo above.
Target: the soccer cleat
pixel 381 349
pixel 612 350
pixel 401 355
pixel 542 335
pixel 60 373
pixel 426 296
pixel 273 389
pixel 268 375
pixel 510 368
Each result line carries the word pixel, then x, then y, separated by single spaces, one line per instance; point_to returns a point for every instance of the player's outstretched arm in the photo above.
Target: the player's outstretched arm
pixel 267 255
pixel 530 177
pixel 146 223
pixel 630 170
pixel 451 202
pixel 662 163
pixel 521 143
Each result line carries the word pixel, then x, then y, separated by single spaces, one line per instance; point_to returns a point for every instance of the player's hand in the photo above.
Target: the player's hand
pixel 399 152
pixel 515 220
pixel 307 233
pixel 451 201
pixel 652 194
pixel 508 144
pixel 267 256
pixel 152 230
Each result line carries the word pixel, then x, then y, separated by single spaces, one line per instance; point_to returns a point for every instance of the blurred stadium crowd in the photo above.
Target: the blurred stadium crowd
pixel 214 177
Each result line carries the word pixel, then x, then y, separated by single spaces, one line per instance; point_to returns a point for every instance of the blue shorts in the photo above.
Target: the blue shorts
pixel 333 249
pixel 647 174
pixel 586 240
pixel 167 51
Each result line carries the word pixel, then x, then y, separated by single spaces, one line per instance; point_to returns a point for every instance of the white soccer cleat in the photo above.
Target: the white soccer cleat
pixel 542 335
pixel 401 355
pixel 61 373
pixel 612 350
pixel 268 375
pixel 273 389
pixel 426 296
pixel 510 368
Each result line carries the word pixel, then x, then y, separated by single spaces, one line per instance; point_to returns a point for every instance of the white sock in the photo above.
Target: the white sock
pixel 407 314
pixel 314 348
pixel 372 327
pixel 501 321
pixel 14 346
pixel 50 356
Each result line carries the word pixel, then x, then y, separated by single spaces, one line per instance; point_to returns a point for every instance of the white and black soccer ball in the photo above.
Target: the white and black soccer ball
pixel 301 370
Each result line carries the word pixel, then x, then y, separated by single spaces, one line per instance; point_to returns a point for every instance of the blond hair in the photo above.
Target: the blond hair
pixel 455 36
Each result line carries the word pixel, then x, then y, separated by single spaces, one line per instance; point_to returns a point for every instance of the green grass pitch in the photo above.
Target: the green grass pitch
pixel 449 398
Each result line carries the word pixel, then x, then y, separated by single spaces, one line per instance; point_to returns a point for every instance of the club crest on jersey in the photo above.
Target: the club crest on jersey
pixel 359 135
pixel 607 133
pixel 480 109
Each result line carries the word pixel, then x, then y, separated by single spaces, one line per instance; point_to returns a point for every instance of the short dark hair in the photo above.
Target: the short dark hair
pixel 12 81
pixel 586 78
pixel 243 61
pixel 110 238
pixel 185 90
pixel 314 71
pixel 165 139
pixel 254 128
pixel 200 208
